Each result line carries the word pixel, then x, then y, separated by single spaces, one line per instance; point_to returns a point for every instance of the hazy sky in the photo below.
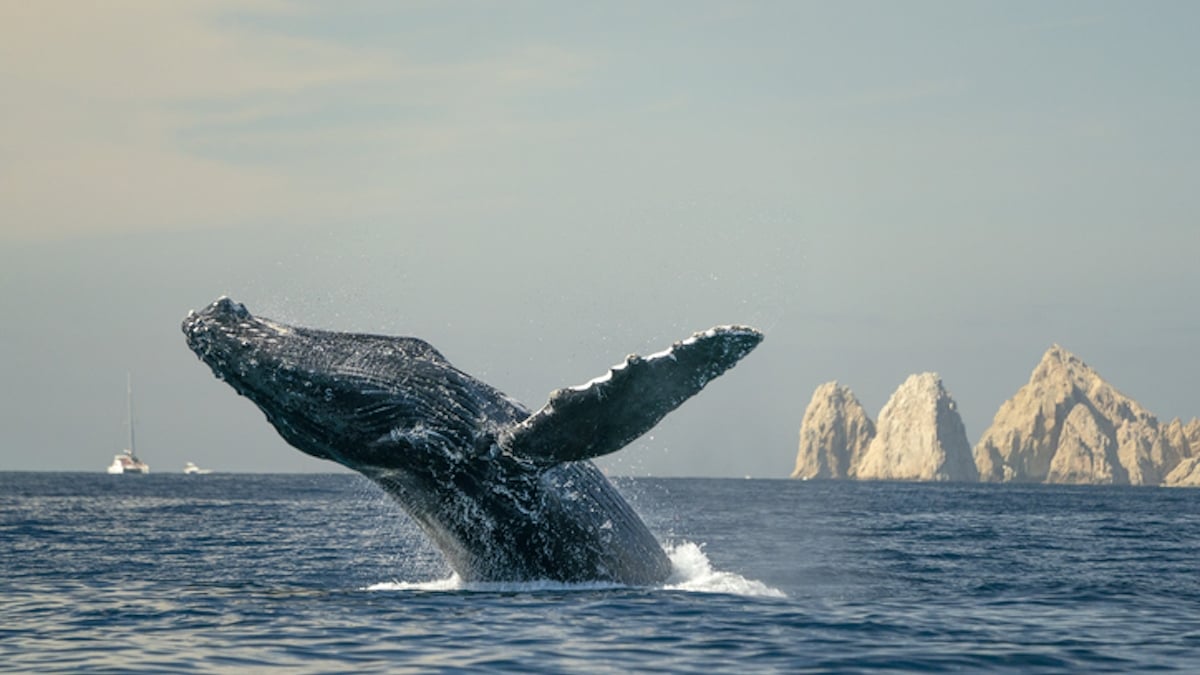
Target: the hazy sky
pixel 540 189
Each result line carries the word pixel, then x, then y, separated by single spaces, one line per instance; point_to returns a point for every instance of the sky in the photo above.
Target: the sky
pixel 541 188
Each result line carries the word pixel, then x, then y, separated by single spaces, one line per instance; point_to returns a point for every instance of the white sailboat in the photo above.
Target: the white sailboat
pixel 127 461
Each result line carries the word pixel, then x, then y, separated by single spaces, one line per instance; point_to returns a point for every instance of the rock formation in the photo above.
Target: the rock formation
pixel 1176 435
pixel 920 436
pixel 1085 454
pixel 1186 438
pixel 833 435
pixel 1192 433
pixel 1068 425
pixel 1185 474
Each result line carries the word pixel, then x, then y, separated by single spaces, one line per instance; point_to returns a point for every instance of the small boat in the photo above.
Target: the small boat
pixel 191 468
pixel 127 461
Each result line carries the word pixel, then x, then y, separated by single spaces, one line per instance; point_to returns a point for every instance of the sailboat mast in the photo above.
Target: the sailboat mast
pixel 129 410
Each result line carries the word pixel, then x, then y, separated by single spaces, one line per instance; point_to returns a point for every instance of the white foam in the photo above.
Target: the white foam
pixel 451 584
pixel 454 583
pixel 691 571
pixel 694 572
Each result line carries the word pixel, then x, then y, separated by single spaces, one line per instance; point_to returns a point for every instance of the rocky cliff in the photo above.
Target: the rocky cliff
pixel 834 434
pixel 1068 425
pixel 920 436
pixel 1187 472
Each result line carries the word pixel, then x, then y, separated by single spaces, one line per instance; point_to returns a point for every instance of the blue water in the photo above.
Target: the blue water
pixel 321 573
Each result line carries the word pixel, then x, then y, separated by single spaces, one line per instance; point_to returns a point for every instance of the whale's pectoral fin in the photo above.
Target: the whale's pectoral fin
pixel 607 413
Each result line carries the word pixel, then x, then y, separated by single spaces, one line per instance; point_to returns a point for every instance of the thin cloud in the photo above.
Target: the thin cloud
pixel 138 115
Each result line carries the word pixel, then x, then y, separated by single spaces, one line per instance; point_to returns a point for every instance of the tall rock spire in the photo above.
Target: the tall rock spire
pixel 833 435
pixel 920 436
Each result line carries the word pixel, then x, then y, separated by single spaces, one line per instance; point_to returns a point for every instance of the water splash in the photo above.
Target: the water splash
pixel 694 572
pixel 452 583
pixel 691 571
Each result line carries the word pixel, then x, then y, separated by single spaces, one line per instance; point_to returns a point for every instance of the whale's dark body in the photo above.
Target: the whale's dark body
pixel 504 494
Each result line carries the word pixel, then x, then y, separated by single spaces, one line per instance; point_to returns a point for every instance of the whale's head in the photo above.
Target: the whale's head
pixel 364 401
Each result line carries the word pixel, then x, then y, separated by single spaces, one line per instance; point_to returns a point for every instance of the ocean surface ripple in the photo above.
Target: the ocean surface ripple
pixel 323 573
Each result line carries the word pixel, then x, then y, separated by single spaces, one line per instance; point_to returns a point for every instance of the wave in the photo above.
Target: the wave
pixel 691 571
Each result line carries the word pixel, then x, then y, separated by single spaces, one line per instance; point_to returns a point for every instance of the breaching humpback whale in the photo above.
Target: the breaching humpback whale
pixel 506 495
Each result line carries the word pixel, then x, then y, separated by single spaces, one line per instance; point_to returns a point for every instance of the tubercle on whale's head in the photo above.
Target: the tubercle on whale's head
pixel 330 395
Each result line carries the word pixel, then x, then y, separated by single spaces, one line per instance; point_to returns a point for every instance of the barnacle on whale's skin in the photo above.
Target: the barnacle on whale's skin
pixel 506 495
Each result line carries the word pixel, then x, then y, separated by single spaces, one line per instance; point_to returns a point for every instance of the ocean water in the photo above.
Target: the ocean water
pixel 322 573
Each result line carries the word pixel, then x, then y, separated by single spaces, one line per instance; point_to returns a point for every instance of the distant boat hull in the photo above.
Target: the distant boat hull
pixel 126 463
